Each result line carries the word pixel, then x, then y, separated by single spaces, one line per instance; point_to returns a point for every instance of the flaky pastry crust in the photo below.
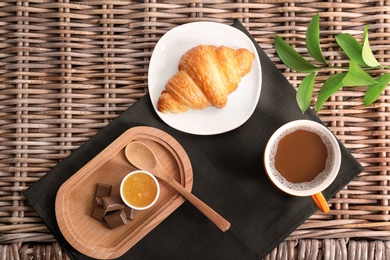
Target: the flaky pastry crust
pixel 206 75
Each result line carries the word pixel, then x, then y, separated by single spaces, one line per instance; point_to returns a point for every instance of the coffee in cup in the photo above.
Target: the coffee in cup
pixel 303 158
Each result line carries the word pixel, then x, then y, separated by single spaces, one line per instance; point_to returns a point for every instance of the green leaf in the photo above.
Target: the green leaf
pixel 313 39
pixel 305 92
pixel 356 76
pixel 331 86
pixel 375 90
pixel 291 57
pixel 351 47
pixel 367 54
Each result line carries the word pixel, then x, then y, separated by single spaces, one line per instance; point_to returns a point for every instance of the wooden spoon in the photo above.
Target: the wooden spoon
pixel 142 157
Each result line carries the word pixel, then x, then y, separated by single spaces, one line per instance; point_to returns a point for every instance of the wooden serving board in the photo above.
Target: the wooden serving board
pixel 74 199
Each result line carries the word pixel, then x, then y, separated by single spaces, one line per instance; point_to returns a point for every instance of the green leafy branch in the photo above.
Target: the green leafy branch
pixel 361 60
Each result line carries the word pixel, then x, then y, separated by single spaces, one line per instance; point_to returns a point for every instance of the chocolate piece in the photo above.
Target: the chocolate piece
pixel 113 203
pixel 99 201
pixel 110 209
pixel 116 219
pixel 129 213
pixel 102 190
pixel 98 211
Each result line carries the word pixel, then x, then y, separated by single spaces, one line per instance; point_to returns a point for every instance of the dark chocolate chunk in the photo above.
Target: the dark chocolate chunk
pixel 99 201
pixel 129 213
pixel 98 211
pixel 110 209
pixel 116 219
pixel 113 203
pixel 102 190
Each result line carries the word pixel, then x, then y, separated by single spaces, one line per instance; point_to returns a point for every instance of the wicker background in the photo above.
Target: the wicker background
pixel 69 67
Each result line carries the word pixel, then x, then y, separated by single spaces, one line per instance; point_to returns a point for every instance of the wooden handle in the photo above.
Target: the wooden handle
pixel 217 219
pixel 321 202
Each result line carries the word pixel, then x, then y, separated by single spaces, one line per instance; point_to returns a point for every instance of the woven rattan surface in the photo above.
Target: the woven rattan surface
pixel 67 68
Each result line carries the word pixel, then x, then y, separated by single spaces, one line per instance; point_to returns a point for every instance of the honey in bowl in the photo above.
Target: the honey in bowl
pixel 139 190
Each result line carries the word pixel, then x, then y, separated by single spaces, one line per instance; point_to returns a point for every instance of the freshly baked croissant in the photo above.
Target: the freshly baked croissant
pixel 206 75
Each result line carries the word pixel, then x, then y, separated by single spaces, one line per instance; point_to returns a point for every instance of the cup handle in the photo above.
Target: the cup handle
pixel 320 202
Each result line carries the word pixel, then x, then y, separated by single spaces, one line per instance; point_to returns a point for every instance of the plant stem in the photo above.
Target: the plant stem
pixel 326 68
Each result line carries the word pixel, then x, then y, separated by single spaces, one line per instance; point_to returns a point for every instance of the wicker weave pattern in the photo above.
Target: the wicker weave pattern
pixel 67 68
pixel 331 249
pixel 305 249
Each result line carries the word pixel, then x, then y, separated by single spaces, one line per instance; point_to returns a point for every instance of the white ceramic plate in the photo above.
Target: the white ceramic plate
pixel 164 62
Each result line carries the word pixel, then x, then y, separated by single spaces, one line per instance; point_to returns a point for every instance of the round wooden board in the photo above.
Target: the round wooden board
pixel 74 199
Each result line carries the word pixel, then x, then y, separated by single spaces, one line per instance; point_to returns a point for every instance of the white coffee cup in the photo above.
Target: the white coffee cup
pixel 312 188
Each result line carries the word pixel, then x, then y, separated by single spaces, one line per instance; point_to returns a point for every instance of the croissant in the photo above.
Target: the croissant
pixel 206 75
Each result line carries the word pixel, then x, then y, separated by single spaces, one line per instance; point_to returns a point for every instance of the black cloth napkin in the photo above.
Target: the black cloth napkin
pixel 228 175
